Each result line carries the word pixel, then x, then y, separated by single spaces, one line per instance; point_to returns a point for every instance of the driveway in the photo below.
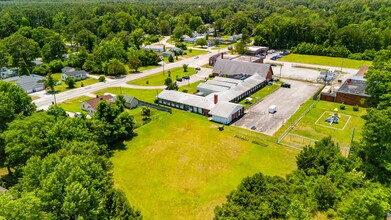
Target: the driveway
pixel 287 101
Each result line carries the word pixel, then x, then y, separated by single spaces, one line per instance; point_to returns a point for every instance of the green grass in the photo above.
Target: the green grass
pixel 147 95
pixel 138 118
pixel 144 68
pixel 74 105
pixel 181 167
pixel 192 88
pixel 63 87
pixel 307 127
pixel 260 94
pixel 194 53
pixel 327 61
pixel 158 78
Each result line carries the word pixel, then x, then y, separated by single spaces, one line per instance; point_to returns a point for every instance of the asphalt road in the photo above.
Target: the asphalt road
pixel 46 99
pixel 287 101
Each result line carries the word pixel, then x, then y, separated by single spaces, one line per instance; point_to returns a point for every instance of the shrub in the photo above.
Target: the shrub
pixel 102 79
pixel 355 108
pixel 82 84
pixel 190 50
pixel 170 59
pixel 185 91
pixel 342 107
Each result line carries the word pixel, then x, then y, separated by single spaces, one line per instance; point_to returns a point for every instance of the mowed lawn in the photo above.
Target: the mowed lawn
pixel 148 95
pixel 74 105
pixel 158 78
pixel 78 84
pixel 193 53
pixel 309 128
pixel 326 61
pixel 182 166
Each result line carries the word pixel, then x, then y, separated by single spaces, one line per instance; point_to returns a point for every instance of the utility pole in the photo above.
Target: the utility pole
pixel 54 95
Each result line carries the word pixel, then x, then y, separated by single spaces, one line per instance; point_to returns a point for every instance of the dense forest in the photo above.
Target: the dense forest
pixel 109 35
pixel 47 154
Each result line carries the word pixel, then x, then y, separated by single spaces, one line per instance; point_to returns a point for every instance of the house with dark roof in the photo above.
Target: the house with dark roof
pixel 91 104
pixel 31 83
pixel 232 67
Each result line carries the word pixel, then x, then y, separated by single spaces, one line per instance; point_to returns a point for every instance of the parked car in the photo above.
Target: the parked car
pixel 270 83
pixel 275 79
pixel 274 58
pixel 196 57
pixel 198 68
pixel 179 79
pixel 273 64
pixel 186 77
pixel 253 127
pixel 286 85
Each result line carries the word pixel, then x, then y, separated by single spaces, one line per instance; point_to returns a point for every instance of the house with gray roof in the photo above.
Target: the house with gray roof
pixel 224 67
pixel 130 101
pixel 31 83
pixel 73 73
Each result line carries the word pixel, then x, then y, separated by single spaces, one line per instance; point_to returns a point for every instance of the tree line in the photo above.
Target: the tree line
pixel 59 166
pixel 108 36
pixel 356 187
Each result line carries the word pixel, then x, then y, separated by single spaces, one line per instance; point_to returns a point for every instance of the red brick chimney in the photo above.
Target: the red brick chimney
pixel 216 99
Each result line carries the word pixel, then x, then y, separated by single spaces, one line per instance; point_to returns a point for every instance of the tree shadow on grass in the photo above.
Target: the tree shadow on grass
pixel 121 145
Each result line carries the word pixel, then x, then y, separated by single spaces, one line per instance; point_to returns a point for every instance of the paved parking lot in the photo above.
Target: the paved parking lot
pixel 287 101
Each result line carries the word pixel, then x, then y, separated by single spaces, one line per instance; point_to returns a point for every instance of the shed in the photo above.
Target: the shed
pixel 130 101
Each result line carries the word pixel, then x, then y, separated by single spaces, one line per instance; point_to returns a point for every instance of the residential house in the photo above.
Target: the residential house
pixel 130 101
pixel 190 40
pixel 7 73
pixel 75 74
pixel 159 48
pixel 31 83
pixel 235 38
pixel 91 104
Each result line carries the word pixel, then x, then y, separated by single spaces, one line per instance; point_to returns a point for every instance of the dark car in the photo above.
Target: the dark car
pixel 179 79
pixel 286 85
pixel 198 68
pixel 274 58
pixel 273 64
pixel 186 77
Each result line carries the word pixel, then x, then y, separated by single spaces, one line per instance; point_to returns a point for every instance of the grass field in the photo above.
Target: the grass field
pixel 63 86
pixel 155 115
pixel 313 125
pixel 74 105
pixel 194 53
pixel 192 88
pixel 147 95
pixel 158 78
pixel 326 61
pixel 181 167
pixel 259 95
pixel 144 68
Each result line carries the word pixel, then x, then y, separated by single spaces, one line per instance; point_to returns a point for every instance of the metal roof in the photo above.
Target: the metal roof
pixel 225 109
pixel 233 67
pixel 30 82
pixel 187 99
pixel 241 88
pixel 220 83
pixel 211 87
